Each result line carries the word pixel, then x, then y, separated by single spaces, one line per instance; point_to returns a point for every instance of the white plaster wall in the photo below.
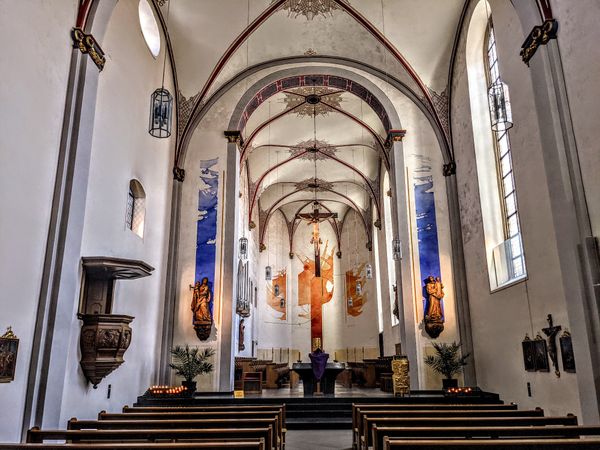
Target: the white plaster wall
pixel 272 331
pixel 357 331
pixel 35 66
pixel 122 149
pixel 577 35
pixel 500 320
pixel 419 140
pixel 250 323
pixel 207 143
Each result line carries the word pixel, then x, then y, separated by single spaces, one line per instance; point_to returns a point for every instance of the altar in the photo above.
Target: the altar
pixel 305 371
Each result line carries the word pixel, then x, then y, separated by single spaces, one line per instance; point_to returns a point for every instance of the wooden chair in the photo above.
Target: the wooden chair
pixel 252 382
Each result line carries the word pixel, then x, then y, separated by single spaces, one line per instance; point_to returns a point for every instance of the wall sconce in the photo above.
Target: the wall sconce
pixel 282 302
pixel 369 271
pixel 276 290
pixel 358 288
pixel 243 248
pixel 350 302
pixel 397 249
pixel 500 110
pixel 268 273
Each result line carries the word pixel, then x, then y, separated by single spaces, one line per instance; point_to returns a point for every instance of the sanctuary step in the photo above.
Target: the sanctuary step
pixel 321 412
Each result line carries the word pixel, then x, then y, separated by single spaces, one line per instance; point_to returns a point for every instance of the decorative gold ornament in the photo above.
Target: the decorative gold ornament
pixel 178 174
pixel 9 334
pixel 86 43
pixel 540 35
pixel 234 137
pixel 401 376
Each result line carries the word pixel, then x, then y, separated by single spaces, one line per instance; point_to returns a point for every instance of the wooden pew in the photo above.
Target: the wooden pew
pixel 135 409
pixel 151 436
pixel 378 433
pixel 210 445
pixel 185 414
pixel 476 444
pixel 114 425
pixel 538 412
pixel 428 406
pixel 412 407
pixel 365 438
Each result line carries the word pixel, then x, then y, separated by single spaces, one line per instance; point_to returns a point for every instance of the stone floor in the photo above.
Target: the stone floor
pixel 318 439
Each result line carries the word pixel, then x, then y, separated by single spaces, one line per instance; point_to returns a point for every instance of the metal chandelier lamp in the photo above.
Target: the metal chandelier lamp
pixel 161 104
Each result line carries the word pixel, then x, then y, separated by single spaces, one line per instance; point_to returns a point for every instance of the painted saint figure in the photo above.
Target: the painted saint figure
pixel 201 301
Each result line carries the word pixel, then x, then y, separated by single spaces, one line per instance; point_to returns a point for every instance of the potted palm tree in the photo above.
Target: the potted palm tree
pixel 447 361
pixel 189 363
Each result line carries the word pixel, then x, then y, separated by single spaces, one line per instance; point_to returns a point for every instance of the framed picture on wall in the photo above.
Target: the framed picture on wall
pixel 9 346
pixel 566 351
pixel 528 354
pixel 541 354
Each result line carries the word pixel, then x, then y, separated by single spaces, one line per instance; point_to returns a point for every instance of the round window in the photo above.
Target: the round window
pixel 149 27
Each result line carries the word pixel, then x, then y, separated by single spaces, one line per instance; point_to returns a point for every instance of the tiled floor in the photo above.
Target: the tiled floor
pixel 318 439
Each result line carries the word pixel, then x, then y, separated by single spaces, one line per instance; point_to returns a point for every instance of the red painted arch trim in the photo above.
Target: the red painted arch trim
pixel 413 74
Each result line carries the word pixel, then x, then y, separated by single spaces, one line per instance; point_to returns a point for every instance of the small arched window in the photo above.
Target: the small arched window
pixel 136 208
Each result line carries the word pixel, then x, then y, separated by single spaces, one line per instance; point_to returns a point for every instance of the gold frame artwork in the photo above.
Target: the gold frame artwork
pixel 9 348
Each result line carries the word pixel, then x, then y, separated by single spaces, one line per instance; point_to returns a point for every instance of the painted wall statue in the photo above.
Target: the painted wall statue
pixel 434 310
pixel 202 316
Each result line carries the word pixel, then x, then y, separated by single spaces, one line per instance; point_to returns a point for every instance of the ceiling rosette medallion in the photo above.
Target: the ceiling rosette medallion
pixel 310 8
pixel 315 184
pixel 324 150
pixel 298 98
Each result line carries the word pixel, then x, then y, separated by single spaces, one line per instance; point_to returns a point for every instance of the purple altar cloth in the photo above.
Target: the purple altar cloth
pixel 318 360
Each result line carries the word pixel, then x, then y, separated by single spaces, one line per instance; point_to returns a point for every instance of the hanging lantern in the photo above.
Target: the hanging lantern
pixel 161 106
pixel 397 249
pixel 268 273
pixel 369 271
pixel 500 110
pixel 243 248
pixel 358 288
pixel 276 290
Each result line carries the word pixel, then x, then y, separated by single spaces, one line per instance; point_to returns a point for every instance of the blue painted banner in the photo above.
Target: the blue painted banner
pixel 206 236
pixel 427 235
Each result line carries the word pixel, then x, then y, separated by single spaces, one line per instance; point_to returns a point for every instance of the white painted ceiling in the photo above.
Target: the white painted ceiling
pixel 347 167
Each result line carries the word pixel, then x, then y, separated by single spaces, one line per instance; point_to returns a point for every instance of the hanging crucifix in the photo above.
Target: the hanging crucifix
pixel 315 217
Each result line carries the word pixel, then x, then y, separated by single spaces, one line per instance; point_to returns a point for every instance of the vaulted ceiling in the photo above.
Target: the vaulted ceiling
pixel 313 139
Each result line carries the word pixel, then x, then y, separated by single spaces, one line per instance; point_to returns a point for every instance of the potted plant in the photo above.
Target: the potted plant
pixel 189 363
pixel 447 361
